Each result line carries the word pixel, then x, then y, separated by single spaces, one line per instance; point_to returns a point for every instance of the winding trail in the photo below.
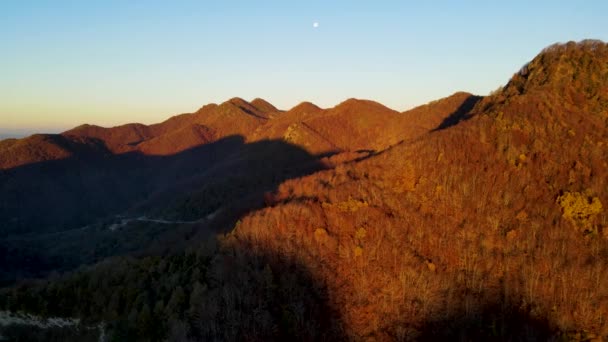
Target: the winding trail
pixel 8 318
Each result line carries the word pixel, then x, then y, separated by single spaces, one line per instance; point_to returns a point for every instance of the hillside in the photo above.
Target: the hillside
pixel 468 218
pixel 471 230
pixel 45 147
pixel 350 126
pixel 55 188
pixel 126 159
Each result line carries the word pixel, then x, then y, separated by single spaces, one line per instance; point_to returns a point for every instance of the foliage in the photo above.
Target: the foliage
pixel 350 205
pixel 579 208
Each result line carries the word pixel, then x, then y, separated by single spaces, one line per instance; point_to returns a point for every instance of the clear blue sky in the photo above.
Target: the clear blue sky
pixel 63 63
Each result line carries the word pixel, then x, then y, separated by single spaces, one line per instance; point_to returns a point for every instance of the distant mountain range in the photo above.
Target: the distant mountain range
pixel 123 160
pixel 254 121
pixel 477 218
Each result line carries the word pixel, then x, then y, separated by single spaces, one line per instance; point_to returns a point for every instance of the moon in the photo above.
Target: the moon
pixel 315 24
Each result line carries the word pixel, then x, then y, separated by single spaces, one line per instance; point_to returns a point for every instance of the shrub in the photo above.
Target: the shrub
pixel 579 208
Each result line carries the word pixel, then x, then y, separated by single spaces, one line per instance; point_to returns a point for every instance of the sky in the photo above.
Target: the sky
pixel 65 63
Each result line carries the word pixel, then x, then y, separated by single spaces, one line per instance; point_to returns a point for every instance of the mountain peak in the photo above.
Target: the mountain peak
pixel 239 102
pixel 263 105
pixel 573 67
pixel 305 107
pixel 353 100
pixel 360 104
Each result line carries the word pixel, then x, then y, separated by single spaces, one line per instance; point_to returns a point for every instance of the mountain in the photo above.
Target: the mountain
pixel 359 124
pixel 352 125
pixel 138 164
pixel 477 218
pixel 45 147
pixel 233 117
pixel 264 107
pixel 493 222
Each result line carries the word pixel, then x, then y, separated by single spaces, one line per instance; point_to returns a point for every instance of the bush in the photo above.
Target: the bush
pixel 579 208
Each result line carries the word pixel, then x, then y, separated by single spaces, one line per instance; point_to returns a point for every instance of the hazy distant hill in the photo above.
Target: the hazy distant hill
pixel 468 218
pixel 4 136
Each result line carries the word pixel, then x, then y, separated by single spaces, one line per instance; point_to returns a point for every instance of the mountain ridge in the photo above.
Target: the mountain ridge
pixel 218 120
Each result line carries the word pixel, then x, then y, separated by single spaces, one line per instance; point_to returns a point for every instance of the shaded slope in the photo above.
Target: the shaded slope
pixel 233 117
pixel 44 147
pixel 226 174
pixel 429 116
pixel 66 193
pixel 445 112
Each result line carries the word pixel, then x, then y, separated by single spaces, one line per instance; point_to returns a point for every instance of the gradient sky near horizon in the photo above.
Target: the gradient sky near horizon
pixel 64 63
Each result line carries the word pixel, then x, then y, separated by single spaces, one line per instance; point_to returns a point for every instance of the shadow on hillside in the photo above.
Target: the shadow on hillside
pixel 282 300
pixel 237 294
pixel 45 207
pixel 461 114
pixel 247 293
pixel 496 321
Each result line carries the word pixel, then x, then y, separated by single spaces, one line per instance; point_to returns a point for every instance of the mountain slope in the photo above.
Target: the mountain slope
pixel 128 155
pixel 45 147
pixel 233 117
pixel 489 225
pixel 117 139
pixel 471 228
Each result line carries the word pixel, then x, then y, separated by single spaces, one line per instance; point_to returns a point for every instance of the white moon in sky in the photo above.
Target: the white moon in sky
pixel 315 24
